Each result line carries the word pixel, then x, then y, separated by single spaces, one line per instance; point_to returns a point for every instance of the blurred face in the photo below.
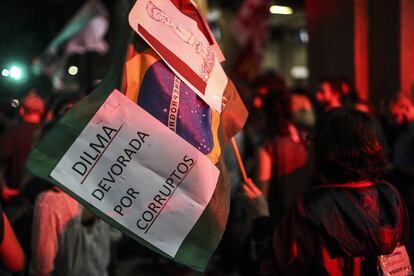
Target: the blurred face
pixel 325 93
pixel 401 110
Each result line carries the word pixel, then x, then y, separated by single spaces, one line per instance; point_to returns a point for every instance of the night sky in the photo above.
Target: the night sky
pixel 26 28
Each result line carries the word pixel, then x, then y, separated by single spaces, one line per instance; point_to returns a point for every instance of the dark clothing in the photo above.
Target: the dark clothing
pixel 15 146
pixel 337 230
pixel 404 182
pixel 290 174
pixel 403 150
pixel 349 100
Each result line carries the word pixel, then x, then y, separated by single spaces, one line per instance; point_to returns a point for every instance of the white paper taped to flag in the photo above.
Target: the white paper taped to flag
pixel 139 173
pixel 183 46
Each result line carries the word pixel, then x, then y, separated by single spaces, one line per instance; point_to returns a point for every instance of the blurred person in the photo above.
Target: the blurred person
pixel 263 84
pixel 12 257
pixel 16 143
pixel 302 110
pixel 329 95
pixel 402 173
pixel 349 97
pixel 15 146
pixel 67 239
pixel 283 162
pixel 365 107
pixel 236 237
pixel 402 109
pixel 342 226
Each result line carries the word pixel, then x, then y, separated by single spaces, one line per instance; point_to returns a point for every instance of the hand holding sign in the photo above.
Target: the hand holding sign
pixel 255 199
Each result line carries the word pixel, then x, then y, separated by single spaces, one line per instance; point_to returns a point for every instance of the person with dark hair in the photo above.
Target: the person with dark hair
pixel 349 149
pixel 402 109
pixel 303 112
pixel 343 226
pixel 349 96
pixel 67 239
pixel 401 135
pixel 282 172
pixel 329 95
pixel 15 145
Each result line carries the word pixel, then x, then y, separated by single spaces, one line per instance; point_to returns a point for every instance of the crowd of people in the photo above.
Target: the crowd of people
pixel 350 218
pixel 330 190
pixel 55 234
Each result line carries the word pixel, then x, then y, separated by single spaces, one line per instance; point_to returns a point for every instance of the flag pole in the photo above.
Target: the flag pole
pixel 239 160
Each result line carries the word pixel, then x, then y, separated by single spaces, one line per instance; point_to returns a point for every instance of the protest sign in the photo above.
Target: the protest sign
pixel 139 173
pixel 143 77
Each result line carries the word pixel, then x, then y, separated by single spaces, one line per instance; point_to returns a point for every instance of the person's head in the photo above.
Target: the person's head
pixel 268 80
pixel 303 113
pixel 277 107
pixel 32 108
pixel 347 147
pixel 328 94
pixel 402 109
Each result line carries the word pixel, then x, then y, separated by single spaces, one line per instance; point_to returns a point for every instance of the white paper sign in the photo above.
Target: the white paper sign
pixel 180 43
pixel 397 263
pixel 138 172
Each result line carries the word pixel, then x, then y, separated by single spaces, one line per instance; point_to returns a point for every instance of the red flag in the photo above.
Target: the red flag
pixel 249 28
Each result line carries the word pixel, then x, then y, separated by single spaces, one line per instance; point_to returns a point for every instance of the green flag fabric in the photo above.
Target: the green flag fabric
pixel 83 33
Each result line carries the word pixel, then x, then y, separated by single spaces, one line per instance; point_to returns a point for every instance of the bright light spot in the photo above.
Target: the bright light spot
pixel 304 37
pixel 299 72
pixel 257 102
pixel 214 15
pixel 5 73
pixel 15 103
pixel 73 70
pixel 276 9
pixel 15 72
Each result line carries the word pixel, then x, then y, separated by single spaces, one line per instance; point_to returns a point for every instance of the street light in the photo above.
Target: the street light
pixel 73 70
pixel 16 72
pixel 277 9
pixel 5 73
